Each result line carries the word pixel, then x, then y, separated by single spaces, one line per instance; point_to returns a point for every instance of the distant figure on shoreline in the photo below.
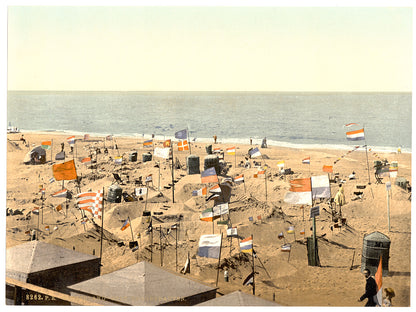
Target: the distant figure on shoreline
pixel 399 150
pixel 251 141
pixel 23 139
pixel 264 143
pixel 215 139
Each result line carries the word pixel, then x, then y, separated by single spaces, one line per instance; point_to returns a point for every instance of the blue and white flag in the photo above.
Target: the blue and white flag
pixel 182 134
pixel 209 246
pixel 254 152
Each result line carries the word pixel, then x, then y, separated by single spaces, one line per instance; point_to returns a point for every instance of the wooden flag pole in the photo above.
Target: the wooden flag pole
pixel 218 266
pixel 388 208
pixel 160 245
pixel 51 150
pixel 151 242
pixel 176 248
pixel 102 231
pixel 189 142
pixel 252 258
pixel 131 229
pixel 265 181
pixel 366 155
pixel 314 231
pixel 173 177
pixel 145 203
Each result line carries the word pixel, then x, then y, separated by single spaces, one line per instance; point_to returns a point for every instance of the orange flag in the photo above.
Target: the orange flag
pixel 65 171
pixel 327 169
pixel 379 281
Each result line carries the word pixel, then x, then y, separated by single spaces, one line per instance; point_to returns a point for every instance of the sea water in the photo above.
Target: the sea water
pixel 285 119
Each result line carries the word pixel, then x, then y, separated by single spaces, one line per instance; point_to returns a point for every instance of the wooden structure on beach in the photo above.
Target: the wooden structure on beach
pixel 238 298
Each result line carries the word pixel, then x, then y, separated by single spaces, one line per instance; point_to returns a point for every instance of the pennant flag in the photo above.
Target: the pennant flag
pixel 246 245
pixel 46 144
pixel 232 232
pixel 249 279
pixel 209 246
pixel 209 175
pixel 92 202
pixel 281 235
pixel 86 137
pixel 118 160
pixel 139 191
pixel 281 164
pixel 86 161
pixel 162 152
pixel 212 196
pixel 208 215
pixel 350 124
pixel 306 160
pixel 291 230
pixel 379 281
pixel 126 224
pixel 35 210
pixel 328 169
pixel 149 178
pixel 231 150
pixel 217 150
pixel 320 186
pixel 254 152
pixel 181 135
pixel 286 247
pixel 200 192
pixel 47 228
pixel 148 143
pixel 302 232
pixel 356 135
pixel 183 146
pixel 299 192
pixel 51 180
pixel 239 178
pixel 60 156
pixel 65 171
pixel 167 143
pixel 215 189
pixel 58 208
pixel 71 140
pixel 62 193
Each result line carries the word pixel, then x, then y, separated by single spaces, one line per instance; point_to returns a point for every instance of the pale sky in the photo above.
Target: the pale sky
pixel 186 48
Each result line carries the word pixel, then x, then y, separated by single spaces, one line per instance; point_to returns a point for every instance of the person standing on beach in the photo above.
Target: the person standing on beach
pixel 215 139
pixel 340 198
pixel 370 289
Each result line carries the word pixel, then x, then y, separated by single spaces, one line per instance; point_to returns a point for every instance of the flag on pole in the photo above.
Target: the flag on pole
pixel 118 160
pixel 328 169
pixel 281 235
pixel 149 178
pixel 299 192
pixel 379 281
pixel 281 164
pixel 47 228
pixel 302 232
pixel 220 209
pixel 249 279
pixel 209 175
pixel 217 150
pixel 261 173
pixel 167 143
pixel 200 192
pixel 239 178
pixel 92 202
pixel 209 246
pixel 356 135
pixel 139 191
pixel 71 140
pixel 46 145
pixel 148 143
pixel 215 189
pixel 246 245
pixel 286 247
pixel 35 210
pixel 231 150
pixel 232 232
pixel 183 145
pixel 208 215
pixel 182 134
pixel 86 137
pixel 291 230
pixel 126 224
pixel 109 137
pixel 62 193
pixel 254 152
pixel 58 208
pixel 320 186
pixel 86 161
pixel 350 124
pixel 162 152
pixel 306 160
pixel 51 180
pixel 65 171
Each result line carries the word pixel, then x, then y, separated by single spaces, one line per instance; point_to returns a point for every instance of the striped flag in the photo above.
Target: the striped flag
pixel 208 215
pixel 356 135
pixel 320 186
pixel 47 228
pixel 86 161
pixel 281 164
pixel 350 124
pixel 254 152
pixel 209 246
pixel 215 189
pixel 217 150
pixel 232 232
pixel 281 235
pixel 118 160
pixel 379 281
pixel 126 224
pixel 302 232
pixel 149 178
pixel 286 247
pixel 35 210
pixel 246 245
pixel 231 150
pixel 239 178
pixel 261 173
pixel 71 140
pixel 291 230
pixel 220 209
pixel 62 193
pixel 148 143
pixel 183 145
pixel 209 175
pixel 328 169
pixel 306 160
pixel 51 180
pixel 46 144
pixel 200 192
pixel 249 279
pixel 299 192
pixel 92 202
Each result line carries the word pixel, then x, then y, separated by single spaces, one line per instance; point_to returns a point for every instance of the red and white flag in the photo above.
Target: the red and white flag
pixel 215 189
pixel 239 178
pixel 231 150
pixel 92 202
pixel 62 193
pixel 356 135
pixel 183 145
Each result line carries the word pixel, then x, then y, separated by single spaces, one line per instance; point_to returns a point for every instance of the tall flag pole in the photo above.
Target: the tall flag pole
pixel 366 155
pixel 173 183
pixel 252 258
pixel 189 142
pixel 102 229
pixel 219 259
pixel 131 229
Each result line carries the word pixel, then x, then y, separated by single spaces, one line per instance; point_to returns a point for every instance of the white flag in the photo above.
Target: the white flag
pixel 162 152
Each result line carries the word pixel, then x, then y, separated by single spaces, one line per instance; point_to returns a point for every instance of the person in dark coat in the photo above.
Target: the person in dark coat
pixel 370 289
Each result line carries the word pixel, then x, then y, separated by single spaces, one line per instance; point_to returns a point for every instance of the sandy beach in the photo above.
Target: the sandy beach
pixel 287 277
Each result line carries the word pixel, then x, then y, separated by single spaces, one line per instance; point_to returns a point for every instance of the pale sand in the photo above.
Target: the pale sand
pixel 293 282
